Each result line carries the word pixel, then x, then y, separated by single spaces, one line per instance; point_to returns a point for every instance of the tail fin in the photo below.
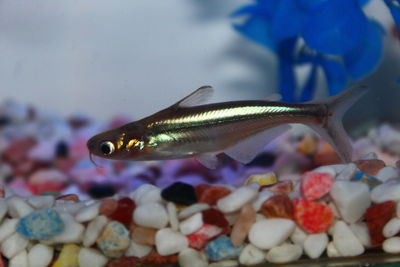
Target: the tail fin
pixel 332 130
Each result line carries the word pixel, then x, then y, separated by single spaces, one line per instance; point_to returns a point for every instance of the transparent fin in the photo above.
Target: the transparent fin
pixel 200 96
pixel 248 149
pixel 209 160
pixel 332 130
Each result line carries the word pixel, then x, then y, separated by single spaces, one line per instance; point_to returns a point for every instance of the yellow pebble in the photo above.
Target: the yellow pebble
pixel 262 179
pixel 68 256
pixel 308 145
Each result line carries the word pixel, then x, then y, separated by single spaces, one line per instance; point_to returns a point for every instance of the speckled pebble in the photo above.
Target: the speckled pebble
pixel 114 239
pixel 40 224
pixel 68 256
pixel 221 249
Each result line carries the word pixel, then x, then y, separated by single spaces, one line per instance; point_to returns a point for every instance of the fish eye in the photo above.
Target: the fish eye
pixel 107 148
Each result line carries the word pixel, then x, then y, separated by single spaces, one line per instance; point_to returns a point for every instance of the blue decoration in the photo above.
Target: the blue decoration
pixel 221 249
pixel 333 36
pixel 40 224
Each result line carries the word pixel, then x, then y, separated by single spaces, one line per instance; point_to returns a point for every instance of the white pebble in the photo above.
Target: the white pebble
pixel 151 215
pixel 137 250
pixel 391 245
pixel 360 230
pixel 315 245
pixel 387 173
pixel 172 216
pixel 20 260
pixel 269 233
pixel 251 255
pixel 398 209
pixel 17 207
pixel 347 172
pixel 3 208
pixel 331 250
pixel 7 228
pixel 88 213
pixel 41 202
pixel 191 224
pixel 189 211
pixel 261 198
pixel 40 255
pixel 192 258
pixel 351 198
pixel 169 242
pixel 146 193
pixel 13 245
pixel 330 169
pixel 237 199
pixel 71 207
pixel 91 257
pixel 93 230
pixel 391 228
pixel 386 191
pixel 345 241
pixel 72 232
pixel 284 253
pixel 298 236
pixel 224 263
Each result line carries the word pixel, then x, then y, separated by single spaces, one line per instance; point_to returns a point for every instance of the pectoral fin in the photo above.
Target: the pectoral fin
pixel 249 148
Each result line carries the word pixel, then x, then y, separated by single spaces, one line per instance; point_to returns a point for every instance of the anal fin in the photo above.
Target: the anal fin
pixel 209 160
pixel 246 150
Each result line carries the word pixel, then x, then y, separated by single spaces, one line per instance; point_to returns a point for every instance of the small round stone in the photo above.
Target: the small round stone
pixel 68 256
pixel 222 249
pixel 192 258
pixel 392 245
pixel 251 255
pixel 169 242
pixel 392 227
pixel 234 201
pixel 152 215
pixel 315 244
pixel 40 224
pixel 180 193
pixel 91 257
pixel 40 255
pixel 284 253
pixel 266 234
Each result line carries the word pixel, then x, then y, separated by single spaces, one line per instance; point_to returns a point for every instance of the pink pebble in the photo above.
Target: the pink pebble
pixel 315 185
pixel 198 239
pixel 241 228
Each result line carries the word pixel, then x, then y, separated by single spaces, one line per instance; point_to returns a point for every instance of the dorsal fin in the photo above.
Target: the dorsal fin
pixel 200 96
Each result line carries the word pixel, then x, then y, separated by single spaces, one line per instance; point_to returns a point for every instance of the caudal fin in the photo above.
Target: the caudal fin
pixel 332 130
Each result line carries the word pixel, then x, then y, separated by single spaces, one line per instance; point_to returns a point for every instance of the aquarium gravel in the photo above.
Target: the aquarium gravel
pixel 296 200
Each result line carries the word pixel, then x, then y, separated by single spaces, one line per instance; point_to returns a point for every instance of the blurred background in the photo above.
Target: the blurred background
pixel 104 58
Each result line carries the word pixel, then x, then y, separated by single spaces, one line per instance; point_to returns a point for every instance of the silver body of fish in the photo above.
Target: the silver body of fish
pixel 241 129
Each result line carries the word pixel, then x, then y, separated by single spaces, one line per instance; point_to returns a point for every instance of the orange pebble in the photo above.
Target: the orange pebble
pixel 312 217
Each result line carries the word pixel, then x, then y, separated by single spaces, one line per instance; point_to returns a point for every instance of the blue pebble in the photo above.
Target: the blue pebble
pixel 40 224
pixel 221 249
pixel 366 178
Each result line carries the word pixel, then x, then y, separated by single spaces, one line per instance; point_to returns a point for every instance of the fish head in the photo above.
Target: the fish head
pixel 122 143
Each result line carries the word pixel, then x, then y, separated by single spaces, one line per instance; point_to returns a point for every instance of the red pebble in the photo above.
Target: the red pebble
pixel 283 187
pixel 154 257
pixel 68 197
pixel 124 211
pixel 199 189
pixel 398 164
pixel 315 185
pixel 108 206
pixel 212 194
pixel 199 239
pixel 312 217
pixel 279 206
pixel 377 216
pixel 124 261
pixel 217 218
pixel 370 166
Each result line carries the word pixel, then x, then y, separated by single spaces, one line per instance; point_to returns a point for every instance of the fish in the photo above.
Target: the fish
pixel 192 127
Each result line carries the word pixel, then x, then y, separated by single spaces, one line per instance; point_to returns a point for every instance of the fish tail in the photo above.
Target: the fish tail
pixel 332 129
